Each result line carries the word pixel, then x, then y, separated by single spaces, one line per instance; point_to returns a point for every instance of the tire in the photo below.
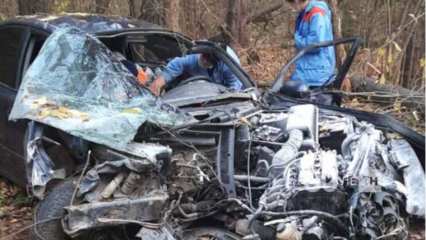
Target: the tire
pixel 52 207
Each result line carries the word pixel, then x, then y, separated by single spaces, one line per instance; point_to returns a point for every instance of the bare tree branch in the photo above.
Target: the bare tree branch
pixel 260 15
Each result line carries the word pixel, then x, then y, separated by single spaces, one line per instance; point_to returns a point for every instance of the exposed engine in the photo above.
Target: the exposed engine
pixel 285 175
pixel 317 188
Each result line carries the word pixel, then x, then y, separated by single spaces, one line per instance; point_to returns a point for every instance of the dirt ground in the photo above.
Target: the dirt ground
pixel 15 211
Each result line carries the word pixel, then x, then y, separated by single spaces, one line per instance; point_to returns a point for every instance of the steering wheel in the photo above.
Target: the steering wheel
pixel 194 79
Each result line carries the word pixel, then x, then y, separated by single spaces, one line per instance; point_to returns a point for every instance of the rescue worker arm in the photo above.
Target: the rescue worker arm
pixel 231 81
pixel 177 67
pixel 157 86
pixel 174 69
pixel 317 33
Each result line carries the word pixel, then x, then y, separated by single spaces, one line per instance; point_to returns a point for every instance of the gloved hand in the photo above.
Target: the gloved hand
pixel 157 86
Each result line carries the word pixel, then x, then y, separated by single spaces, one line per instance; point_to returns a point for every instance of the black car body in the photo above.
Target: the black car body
pixel 201 161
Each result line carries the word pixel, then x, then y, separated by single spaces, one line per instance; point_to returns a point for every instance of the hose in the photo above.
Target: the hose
pixel 252 178
pixel 289 150
pixel 324 215
pixel 346 152
pixel 253 218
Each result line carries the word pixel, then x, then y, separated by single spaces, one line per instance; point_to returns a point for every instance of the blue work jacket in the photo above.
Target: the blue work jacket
pixel 314 25
pixel 189 65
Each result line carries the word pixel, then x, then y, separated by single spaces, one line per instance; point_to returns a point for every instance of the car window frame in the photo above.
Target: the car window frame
pixel 29 51
pixel 183 46
pixel 180 38
pixel 342 70
pixel 21 55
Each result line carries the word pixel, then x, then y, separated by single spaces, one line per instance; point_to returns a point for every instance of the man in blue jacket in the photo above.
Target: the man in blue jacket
pixel 313 25
pixel 193 65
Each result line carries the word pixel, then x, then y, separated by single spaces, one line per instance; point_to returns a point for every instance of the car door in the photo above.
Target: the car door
pixel 13 42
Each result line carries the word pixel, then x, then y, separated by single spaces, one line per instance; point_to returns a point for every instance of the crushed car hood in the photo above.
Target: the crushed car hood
pixel 77 85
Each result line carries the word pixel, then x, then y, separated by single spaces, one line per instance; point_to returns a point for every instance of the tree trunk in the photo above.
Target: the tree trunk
pixel 337 26
pixel 102 6
pixel 387 93
pixel 236 22
pixel 172 11
pixel 135 7
pixel 132 8
pixel 405 76
pixel 26 7
pixel 189 25
pixel 153 11
pixel 8 9
pixel 243 33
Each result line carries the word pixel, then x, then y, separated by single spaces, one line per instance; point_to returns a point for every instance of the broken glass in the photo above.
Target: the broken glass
pixel 77 85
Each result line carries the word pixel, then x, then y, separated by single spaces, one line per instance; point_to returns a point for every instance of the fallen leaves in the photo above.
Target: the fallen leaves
pixel 15 211
pixel 49 109
pixel 62 113
pixel 270 60
pixel 411 118
pixel 132 110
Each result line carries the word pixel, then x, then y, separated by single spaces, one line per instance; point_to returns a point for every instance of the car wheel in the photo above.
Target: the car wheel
pixel 209 233
pixel 52 208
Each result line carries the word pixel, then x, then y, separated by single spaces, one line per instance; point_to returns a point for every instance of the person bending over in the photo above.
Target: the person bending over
pixel 196 65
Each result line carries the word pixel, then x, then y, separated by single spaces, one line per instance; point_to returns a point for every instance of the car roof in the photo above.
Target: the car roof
pixel 91 23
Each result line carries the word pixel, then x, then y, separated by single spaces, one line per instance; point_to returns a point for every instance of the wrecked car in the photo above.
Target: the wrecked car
pixel 20 42
pixel 111 161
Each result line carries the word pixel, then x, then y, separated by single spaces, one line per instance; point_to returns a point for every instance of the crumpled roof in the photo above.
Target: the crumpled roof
pixel 77 85
pixel 91 23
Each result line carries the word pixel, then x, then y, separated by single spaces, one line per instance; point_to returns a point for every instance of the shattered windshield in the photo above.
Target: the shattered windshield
pixel 75 84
